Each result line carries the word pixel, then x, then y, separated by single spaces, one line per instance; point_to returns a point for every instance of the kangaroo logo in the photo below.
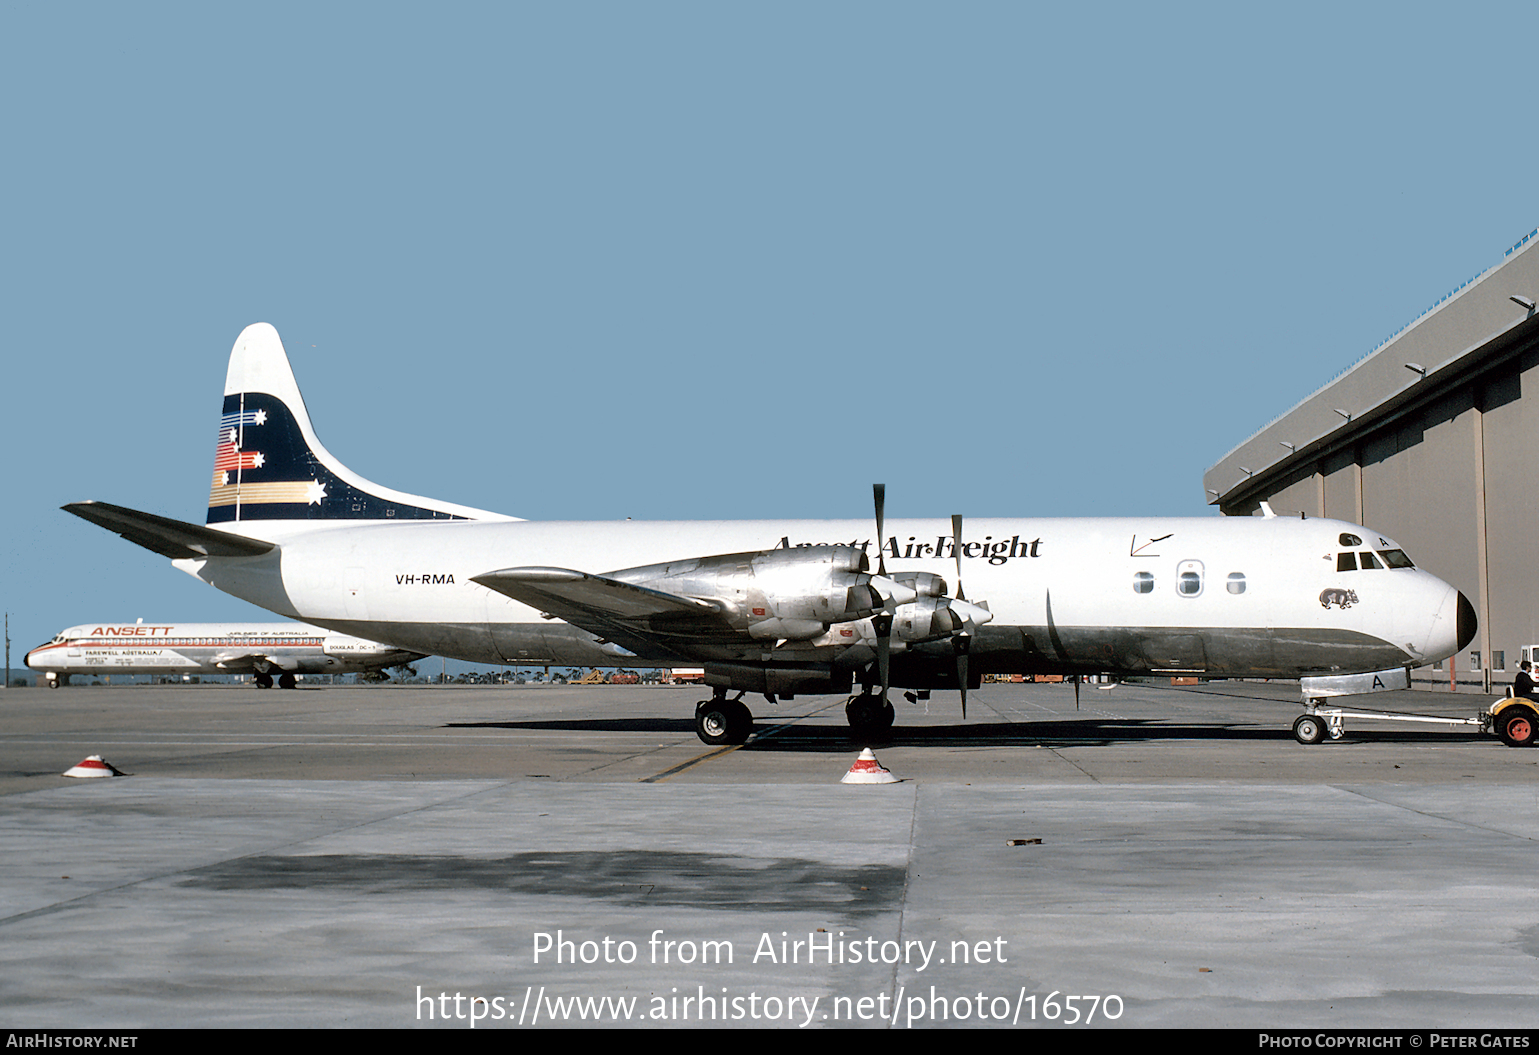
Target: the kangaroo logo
pixel 1344 598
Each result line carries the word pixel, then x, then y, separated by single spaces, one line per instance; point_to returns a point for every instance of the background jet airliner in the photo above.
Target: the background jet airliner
pixel 788 607
pixel 265 650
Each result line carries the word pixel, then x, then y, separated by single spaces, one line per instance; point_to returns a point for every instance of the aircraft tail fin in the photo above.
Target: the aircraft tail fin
pixel 268 464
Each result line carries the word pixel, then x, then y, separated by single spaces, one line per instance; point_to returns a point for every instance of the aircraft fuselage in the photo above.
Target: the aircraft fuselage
pixel 1252 597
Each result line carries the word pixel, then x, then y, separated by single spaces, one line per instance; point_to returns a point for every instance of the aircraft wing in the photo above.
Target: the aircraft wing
pixel 169 538
pixel 246 663
pixel 635 617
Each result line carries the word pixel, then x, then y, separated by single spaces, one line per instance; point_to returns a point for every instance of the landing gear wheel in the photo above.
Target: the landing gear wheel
pixel 286 681
pixel 1307 729
pixel 720 722
pixel 264 681
pixel 1517 727
pixel 868 715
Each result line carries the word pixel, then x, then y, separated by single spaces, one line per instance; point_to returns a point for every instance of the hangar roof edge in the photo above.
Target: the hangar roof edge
pixel 1449 336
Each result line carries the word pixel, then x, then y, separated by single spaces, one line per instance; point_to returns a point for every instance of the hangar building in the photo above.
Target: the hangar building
pixel 1428 440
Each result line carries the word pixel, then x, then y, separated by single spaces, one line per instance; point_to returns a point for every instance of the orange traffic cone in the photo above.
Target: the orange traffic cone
pixel 94 767
pixel 867 770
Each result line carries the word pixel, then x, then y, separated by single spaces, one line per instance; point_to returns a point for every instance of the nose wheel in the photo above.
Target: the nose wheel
pixel 1308 729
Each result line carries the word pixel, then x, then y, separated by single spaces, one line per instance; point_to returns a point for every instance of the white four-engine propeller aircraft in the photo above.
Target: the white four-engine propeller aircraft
pixel 787 607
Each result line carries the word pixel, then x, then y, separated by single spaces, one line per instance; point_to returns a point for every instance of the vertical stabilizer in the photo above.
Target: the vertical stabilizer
pixel 268 465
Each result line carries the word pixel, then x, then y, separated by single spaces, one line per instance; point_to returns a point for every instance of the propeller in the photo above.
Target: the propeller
pixel 882 622
pixel 962 642
pixel 966 615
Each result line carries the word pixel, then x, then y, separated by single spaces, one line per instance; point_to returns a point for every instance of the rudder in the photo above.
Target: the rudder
pixel 269 465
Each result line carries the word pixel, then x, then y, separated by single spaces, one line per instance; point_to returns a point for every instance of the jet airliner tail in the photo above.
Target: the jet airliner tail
pixel 268 464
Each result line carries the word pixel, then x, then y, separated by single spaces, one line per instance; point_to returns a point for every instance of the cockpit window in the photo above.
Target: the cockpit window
pixel 1349 539
pixel 1346 561
pixel 1368 560
pixel 1396 558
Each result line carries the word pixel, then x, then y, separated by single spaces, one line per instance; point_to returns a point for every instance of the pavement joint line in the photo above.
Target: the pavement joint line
pixel 1362 792
pixel 658 778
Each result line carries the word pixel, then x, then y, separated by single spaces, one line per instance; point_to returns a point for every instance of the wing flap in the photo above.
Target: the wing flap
pixel 566 593
pixel 640 619
pixel 167 537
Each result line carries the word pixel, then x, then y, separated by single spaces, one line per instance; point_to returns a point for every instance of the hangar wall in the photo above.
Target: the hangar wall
pixel 1429 441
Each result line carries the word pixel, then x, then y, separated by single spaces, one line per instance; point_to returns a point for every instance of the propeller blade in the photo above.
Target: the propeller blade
pixel 883 626
pixel 962 644
pixel 956 546
pixel 879 496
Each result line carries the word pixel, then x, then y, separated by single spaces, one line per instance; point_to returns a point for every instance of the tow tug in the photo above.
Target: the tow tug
pixel 1515 719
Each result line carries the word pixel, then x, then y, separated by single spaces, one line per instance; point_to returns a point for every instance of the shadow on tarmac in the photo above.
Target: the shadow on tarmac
pixel 795 736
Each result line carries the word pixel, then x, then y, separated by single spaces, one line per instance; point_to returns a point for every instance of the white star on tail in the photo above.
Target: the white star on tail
pixel 314 492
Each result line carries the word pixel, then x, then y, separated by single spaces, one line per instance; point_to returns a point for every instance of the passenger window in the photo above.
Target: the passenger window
pixel 1236 583
pixel 1143 582
pixel 1189 578
pixel 1368 560
pixel 1346 562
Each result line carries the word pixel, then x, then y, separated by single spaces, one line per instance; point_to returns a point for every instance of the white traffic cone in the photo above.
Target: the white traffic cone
pixel 94 767
pixel 867 770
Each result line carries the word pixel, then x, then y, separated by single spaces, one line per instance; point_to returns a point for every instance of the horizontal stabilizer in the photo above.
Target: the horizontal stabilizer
pixel 169 538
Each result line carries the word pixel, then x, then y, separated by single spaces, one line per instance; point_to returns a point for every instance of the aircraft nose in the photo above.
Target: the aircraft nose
pixel 1454 626
pixel 1468 623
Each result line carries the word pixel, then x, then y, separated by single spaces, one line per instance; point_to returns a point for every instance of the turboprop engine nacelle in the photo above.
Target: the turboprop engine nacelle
pixel 932 618
pixel 779 594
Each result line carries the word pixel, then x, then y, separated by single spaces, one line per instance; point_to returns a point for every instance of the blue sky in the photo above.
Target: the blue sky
pixel 705 260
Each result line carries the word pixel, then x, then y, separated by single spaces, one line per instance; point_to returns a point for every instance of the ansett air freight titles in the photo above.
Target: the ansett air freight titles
pixel 778 607
pixel 264 650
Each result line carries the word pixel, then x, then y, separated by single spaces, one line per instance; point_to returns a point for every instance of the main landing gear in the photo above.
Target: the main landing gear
pixel 869 714
pixel 722 721
pixel 285 681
